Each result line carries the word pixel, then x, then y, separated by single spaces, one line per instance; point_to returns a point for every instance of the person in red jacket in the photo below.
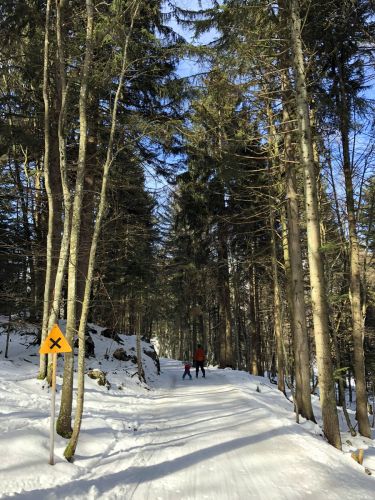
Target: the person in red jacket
pixel 199 358
pixel 187 370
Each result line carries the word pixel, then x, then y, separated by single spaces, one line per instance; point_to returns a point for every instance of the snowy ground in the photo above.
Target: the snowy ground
pixel 214 438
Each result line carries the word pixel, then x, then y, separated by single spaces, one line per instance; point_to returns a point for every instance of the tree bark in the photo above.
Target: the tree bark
pixel 226 348
pixel 48 279
pixel 318 292
pixel 274 156
pixel 64 419
pixel 255 340
pixel 141 373
pixel 277 310
pixel 297 307
pixel 342 400
pixel 71 447
pixel 64 243
pixel 355 267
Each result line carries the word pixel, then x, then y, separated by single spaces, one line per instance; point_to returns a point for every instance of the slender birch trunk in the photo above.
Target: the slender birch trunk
pixel 58 274
pixel 355 268
pixel 64 246
pixel 64 419
pixel 318 292
pixel 72 445
pixel 47 286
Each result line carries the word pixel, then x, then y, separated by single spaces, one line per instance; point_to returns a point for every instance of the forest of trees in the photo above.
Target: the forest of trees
pixel 258 241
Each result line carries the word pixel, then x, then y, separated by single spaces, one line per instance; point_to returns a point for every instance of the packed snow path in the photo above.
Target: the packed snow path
pixel 215 438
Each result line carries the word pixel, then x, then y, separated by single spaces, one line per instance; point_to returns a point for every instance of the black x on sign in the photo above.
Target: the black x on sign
pixel 55 342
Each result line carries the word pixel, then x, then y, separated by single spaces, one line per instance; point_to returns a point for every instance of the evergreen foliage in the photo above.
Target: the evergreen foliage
pixel 209 262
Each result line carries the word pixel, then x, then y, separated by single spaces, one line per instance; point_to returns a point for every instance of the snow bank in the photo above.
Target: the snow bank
pixel 228 436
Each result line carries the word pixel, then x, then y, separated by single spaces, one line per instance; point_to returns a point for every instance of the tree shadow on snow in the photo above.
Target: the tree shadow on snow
pixel 135 474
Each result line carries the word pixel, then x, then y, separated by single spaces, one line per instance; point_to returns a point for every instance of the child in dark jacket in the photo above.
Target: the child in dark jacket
pixel 187 370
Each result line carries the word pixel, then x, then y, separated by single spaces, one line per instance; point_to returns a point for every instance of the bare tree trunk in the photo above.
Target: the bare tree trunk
pixel 71 447
pixel 274 156
pixel 64 419
pixel 355 269
pixel 224 300
pixel 226 347
pixel 366 252
pixel 277 310
pixel 23 199
pixel 60 184
pixel 238 318
pixel 297 308
pixel 141 373
pixel 47 286
pixel 318 292
pixel 88 202
pixel 39 257
pixel 8 335
pixel 64 243
pixel 342 400
pixel 337 206
pixel 255 340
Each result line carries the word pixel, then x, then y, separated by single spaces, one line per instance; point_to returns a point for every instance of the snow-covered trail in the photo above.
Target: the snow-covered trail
pixel 213 438
pixel 216 441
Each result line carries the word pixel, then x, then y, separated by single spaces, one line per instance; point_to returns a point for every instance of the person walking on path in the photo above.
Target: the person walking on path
pixel 187 370
pixel 199 358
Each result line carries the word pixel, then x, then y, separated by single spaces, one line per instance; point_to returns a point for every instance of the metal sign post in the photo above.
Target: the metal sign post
pixel 54 343
pixel 52 420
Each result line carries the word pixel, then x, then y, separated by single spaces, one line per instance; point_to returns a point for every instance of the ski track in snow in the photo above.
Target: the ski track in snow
pixel 214 438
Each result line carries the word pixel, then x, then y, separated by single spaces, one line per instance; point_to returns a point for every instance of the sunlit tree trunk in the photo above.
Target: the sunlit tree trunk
pixel 71 447
pixel 225 327
pixel 318 292
pixel 64 244
pixel 297 308
pixel 141 373
pixel 255 340
pixel 355 267
pixel 48 277
pixel 64 419
pixel 89 199
pixel 277 310
pixel 342 400
pixel 274 156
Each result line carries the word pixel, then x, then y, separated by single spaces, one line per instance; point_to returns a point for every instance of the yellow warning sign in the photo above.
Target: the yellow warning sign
pixel 55 342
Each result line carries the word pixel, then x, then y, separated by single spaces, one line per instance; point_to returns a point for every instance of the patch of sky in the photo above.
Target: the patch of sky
pixel 160 181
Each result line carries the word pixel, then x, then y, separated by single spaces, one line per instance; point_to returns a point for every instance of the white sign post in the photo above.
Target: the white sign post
pixel 54 343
